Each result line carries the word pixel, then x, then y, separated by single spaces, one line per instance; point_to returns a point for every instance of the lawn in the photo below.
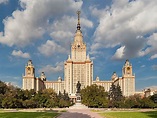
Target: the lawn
pixel 28 115
pixel 150 114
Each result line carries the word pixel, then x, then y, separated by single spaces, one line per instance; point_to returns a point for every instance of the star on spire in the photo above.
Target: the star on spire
pixel 78 24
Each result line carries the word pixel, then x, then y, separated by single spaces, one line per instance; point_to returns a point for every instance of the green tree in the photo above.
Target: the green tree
pixel 129 102
pixel 146 102
pixel 119 93
pixel 115 96
pixel 94 96
pixel 134 101
pixel 64 100
pixel 115 93
pixel 154 98
pixel 49 98
pixel 112 92
pixel 1 98
pixel 3 87
pixel 10 100
pixel 29 103
pixel 39 99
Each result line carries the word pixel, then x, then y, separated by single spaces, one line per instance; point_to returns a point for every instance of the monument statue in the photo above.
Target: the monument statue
pixel 78 86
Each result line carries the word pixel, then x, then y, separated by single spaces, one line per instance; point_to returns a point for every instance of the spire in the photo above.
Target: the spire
pixel 127 63
pixel 78 24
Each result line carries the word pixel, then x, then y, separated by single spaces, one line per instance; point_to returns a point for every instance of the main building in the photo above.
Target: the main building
pixel 78 68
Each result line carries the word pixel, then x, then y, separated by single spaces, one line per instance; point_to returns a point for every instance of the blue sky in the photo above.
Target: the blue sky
pixel 114 30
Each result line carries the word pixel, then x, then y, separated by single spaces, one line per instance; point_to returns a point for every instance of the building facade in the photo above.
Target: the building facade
pixel 78 68
pixel 126 82
pixel 150 91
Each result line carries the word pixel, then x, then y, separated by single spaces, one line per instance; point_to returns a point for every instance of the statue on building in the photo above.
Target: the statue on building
pixel 78 86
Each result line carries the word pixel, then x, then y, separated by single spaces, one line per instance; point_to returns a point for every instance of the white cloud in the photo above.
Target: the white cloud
pixel 62 33
pixel 27 25
pixel 3 1
pixel 151 46
pixel 50 48
pixel 126 24
pixel 143 66
pixel 154 67
pixel 68 24
pixel 119 53
pixel 63 29
pixel 49 69
pixel 19 53
pixel 152 87
pixel 153 56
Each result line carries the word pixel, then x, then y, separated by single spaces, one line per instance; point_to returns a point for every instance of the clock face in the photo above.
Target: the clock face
pixel 128 70
pixel 28 70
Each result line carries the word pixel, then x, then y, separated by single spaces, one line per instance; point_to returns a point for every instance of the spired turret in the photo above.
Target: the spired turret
pixel 97 79
pixel 30 63
pixel 59 79
pixel 114 76
pixel 43 76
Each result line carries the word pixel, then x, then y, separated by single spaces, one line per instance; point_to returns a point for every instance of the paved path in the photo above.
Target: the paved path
pixel 79 113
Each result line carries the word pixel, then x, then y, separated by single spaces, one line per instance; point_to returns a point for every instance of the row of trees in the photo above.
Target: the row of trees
pixel 12 97
pixel 95 96
pixel 92 96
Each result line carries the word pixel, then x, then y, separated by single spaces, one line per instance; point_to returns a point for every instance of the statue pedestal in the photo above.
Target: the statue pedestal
pixel 78 97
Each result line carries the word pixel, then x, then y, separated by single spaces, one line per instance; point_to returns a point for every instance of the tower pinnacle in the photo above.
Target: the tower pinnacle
pixel 78 24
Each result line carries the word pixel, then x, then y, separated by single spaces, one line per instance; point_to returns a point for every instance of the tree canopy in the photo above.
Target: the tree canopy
pixel 115 96
pixel 91 96
pixel 94 96
pixel 13 97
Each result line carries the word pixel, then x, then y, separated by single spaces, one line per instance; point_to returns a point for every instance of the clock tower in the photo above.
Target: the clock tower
pixel 29 77
pixel 29 69
pixel 128 79
pixel 127 69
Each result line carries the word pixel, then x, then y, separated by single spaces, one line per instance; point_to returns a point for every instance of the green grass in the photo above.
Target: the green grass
pixel 150 114
pixel 28 115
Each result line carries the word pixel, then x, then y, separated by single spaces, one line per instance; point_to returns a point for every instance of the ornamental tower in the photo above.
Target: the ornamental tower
pixel 29 81
pixel 128 82
pixel 78 66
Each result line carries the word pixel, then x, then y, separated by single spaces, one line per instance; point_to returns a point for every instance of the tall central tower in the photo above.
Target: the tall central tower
pixel 78 48
pixel 78 66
